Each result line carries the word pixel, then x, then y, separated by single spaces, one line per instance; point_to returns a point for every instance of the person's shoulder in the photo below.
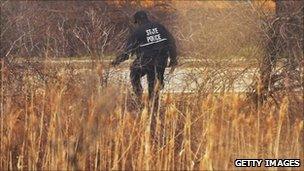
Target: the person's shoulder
pixel 137 31
pixel 141 28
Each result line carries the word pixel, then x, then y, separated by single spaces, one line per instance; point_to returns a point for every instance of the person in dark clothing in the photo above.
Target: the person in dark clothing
pixel 152 44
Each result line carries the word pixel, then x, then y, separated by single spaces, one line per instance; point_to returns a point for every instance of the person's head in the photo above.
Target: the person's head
pixel 140 17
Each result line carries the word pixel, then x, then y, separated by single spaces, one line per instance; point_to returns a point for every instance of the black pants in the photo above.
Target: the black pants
pixel 155 75
pixel 154 71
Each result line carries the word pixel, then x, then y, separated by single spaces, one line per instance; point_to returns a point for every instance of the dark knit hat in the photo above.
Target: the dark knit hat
pixel 140 16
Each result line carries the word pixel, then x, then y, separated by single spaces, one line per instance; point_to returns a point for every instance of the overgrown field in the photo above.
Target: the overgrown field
pixel 73 123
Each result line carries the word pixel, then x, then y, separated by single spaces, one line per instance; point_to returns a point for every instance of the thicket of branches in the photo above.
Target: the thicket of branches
pixel 281 69
pixel 68 28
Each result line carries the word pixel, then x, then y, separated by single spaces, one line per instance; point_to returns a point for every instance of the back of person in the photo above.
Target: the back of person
pixel 153 41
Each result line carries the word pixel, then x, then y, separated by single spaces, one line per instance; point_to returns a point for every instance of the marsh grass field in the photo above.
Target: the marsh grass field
pixel 71 122
pixel 63 107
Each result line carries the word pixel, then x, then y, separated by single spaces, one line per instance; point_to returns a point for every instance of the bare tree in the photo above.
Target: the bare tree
pixel 282 64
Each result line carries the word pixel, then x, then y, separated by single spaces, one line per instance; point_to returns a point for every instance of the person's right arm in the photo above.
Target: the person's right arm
pixel 129 49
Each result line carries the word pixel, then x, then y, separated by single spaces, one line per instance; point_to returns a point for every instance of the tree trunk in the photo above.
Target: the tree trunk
pixel 285 44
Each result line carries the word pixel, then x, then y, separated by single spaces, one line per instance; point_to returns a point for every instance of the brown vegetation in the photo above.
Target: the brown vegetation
pixel 55 117
pixel 73 123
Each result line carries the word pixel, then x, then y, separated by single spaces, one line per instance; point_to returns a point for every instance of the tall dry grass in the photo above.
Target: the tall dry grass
pixel 75 124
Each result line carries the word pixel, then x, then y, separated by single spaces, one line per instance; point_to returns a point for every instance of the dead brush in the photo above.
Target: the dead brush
pixel 72 126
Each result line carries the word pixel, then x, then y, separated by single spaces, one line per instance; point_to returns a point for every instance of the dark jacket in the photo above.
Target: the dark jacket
pixel 150 42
